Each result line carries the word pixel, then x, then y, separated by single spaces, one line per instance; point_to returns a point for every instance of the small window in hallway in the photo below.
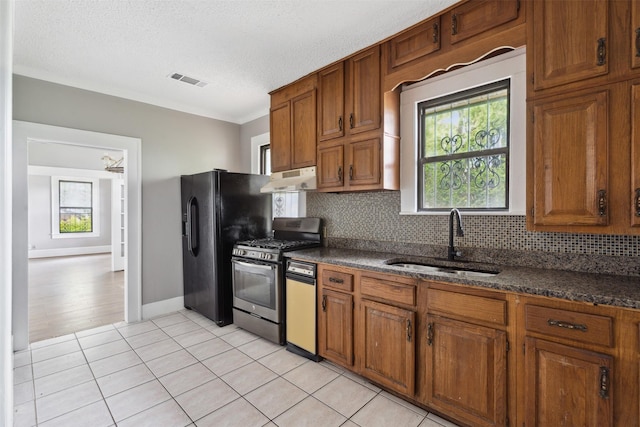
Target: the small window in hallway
pixel 76 207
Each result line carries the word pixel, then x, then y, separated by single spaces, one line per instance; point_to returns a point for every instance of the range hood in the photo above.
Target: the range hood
pixel 294 180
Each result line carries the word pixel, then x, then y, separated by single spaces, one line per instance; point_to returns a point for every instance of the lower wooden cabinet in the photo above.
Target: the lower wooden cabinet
pixel 483 357
pixel 567 386
pixel 335 327
pixel 466 371
pixel 388 350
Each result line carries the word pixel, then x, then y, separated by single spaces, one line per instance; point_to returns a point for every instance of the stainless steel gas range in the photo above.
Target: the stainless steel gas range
pixel 258 275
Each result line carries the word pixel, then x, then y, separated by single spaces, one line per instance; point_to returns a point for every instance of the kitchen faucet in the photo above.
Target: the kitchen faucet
pixel 452 252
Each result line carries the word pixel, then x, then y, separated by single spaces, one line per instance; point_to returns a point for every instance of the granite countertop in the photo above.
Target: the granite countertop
pixel 621 291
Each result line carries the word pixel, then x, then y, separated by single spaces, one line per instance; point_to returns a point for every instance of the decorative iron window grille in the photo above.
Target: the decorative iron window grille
pixel 464 150
pixel 76 206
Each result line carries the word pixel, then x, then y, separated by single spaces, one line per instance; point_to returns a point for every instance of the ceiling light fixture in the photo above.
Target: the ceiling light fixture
pixel 186 79
pixel 112 165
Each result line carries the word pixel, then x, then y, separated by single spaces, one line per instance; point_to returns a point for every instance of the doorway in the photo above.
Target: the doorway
pixel 25 132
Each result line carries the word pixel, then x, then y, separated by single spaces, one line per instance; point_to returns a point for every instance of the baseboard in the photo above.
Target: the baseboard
pixel 87 250
pixel 159 308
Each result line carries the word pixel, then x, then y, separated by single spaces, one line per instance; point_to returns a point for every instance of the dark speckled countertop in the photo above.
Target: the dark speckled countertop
pixel 621 291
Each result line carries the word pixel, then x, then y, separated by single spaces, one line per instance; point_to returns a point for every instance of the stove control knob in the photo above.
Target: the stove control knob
pixel 267 256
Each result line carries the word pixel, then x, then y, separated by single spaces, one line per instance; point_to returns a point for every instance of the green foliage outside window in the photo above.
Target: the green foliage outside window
pixel 76 207
pixel 464 149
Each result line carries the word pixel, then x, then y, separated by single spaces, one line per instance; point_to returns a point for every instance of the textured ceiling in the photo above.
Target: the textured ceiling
pixel 243 49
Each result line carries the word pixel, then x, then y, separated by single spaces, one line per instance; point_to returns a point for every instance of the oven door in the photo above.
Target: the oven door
pixel 257 288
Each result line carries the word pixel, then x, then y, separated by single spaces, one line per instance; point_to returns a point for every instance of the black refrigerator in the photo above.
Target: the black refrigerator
pixel 219 208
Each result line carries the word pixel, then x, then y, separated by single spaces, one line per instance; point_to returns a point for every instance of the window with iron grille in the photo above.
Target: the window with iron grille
pixel 463 158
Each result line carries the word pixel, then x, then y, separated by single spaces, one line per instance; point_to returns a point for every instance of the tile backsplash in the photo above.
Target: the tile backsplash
pixel 374 217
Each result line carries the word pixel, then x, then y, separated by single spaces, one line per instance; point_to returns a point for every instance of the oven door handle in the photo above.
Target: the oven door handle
pixel 252 265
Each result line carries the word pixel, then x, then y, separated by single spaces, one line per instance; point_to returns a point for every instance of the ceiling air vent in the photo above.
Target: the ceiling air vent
pixel 187 79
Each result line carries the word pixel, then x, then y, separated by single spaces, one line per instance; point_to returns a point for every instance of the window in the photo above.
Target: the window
pixel 75 206
pixel 463 142
pixel 265 159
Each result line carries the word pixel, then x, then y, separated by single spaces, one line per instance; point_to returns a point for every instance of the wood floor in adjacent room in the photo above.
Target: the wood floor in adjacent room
pixel 71 294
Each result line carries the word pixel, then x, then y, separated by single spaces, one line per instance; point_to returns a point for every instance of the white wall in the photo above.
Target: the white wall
pixel 6 346
pixel 173 144
pixel 40 219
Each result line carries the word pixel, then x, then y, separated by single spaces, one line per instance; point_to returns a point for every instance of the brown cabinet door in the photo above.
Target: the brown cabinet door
pixel 364 91
pixel 331 120
pixel 570 163
pixel 634 34
pixel 570 41
pixel 303 117
pixel 389 346
pixel 415 43
pixel 467 368
pixel 335 327
pixel 635 155
pixel 364 162
pixel 330 167
pixel 566 386
pixel 475 17
pixel 280 134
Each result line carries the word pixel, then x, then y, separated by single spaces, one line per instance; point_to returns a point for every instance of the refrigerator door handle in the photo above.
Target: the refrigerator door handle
pixel 192 226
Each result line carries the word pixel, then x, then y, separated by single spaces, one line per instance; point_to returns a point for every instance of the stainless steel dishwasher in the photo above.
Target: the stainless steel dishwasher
pixel 301 309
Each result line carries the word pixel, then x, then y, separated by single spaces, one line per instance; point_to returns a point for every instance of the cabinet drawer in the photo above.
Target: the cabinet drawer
pixel 583 327
pixel 389 290
pixel 468 306
pixel 337 280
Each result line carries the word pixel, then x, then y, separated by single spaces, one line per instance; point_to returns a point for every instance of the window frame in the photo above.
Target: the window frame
pixel 55 207
pixel 264 148
pixel 507 65
pixel 425 159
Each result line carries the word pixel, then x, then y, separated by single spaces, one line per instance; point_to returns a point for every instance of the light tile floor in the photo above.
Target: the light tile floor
pixel 183 370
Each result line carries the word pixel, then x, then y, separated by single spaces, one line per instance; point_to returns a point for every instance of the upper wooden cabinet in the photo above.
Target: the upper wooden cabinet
pixel 415 43
pixel 570 151
pixel 293 126
pixel 475 17
pixel 350 94
pixel 570 41
pixel 357 150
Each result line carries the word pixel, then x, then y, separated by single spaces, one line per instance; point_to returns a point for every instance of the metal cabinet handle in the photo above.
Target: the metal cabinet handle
pixel 638 41
pixel 324 303
pixel 350 172
pixel 604 382
pixel 602 51
pixel 340 173
pixel 436 32
pixel 351 120
pixel 567 325
pixel 409 330
pixel 454 24
pixel 340 123
pixel 334 280
pixel 602 202
pixel 637 202
pixel 430 334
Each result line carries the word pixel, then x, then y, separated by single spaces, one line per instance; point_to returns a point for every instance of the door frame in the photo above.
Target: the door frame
pixel 132 149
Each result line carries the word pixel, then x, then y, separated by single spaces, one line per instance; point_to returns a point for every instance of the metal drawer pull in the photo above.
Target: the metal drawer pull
pixel 436 32
pixel 324 303
pixel 637 202
pixel 602 202
pixel 567 325
pixel 430 334
pixel 604 382
pixel 340 173
pixel 334 280
pixel 409 330
pixel 602 51
pixel 340 123
pixel 637 41
pixel 454 24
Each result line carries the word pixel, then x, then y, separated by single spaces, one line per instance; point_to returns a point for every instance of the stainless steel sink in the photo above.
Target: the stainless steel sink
pixel 439 269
